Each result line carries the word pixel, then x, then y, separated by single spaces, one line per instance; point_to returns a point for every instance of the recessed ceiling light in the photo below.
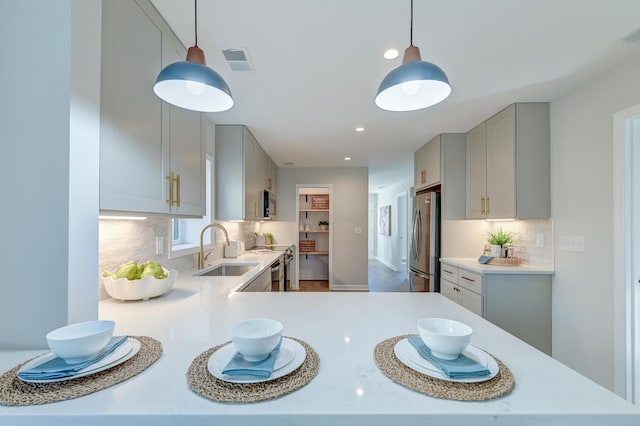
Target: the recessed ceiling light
pixel 359 129
pixel 391 54
pixel 288 163
pixel 347 158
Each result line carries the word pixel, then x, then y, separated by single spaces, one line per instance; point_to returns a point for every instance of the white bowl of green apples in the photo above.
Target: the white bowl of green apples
pixel 138 281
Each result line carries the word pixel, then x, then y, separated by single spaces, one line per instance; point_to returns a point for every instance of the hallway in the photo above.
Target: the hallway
pixel 381 279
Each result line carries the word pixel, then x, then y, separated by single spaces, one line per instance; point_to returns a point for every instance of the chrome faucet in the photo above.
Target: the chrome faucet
pixel 201 255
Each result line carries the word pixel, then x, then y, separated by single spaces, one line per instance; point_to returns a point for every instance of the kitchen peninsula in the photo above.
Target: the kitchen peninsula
pixel 343 328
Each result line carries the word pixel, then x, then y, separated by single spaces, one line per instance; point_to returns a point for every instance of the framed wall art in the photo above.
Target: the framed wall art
pixel 385 220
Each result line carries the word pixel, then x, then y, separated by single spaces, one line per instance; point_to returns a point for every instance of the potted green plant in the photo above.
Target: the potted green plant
pixel 268 239
pixel 498 239
pixel 323 225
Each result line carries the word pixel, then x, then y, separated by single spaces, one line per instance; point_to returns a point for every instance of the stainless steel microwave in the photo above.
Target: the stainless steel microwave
pixel 269 205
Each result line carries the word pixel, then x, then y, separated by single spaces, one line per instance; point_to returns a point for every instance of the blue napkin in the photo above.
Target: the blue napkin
pixel 57 367
pixel 238 366
pixel 459 368
pixel 484 259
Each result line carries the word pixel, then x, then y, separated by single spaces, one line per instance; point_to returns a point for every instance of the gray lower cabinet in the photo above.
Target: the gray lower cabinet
pixel 518 303
pixel 261 283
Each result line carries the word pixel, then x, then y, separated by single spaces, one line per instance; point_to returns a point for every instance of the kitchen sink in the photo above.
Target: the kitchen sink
pixel 227 270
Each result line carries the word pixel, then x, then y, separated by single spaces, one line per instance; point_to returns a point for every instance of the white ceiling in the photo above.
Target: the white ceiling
pixel 318 64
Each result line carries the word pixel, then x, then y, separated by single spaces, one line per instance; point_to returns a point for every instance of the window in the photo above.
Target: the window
pixel 185 233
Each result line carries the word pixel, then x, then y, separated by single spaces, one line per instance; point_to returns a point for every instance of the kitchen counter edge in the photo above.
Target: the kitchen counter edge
pixel 472 264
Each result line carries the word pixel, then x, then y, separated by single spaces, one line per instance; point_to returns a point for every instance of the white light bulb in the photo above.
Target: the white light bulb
pixel 410 87
pixel 195 87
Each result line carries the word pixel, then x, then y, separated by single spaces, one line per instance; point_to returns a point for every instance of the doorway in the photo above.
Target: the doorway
pixel 314 221
pixel 401 249
pixel 626 185
pixel 372 228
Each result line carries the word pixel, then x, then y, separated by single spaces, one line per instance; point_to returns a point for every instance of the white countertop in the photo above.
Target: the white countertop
pixel 343 328
pixel 472 264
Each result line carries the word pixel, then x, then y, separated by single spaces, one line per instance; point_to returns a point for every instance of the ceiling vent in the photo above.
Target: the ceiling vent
pixel 633 37
pixel 238 59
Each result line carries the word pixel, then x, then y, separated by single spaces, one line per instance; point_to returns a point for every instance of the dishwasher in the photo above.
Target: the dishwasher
pixel 289 266
pixel 277 275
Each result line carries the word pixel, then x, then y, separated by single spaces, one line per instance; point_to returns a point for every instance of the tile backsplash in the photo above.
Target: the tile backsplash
pixel 123 240
pixel 526 232
pixel 466 238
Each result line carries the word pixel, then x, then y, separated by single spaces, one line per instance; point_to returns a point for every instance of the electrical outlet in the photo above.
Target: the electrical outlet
pixel 572 243
pixel 159 245
pixel 540 239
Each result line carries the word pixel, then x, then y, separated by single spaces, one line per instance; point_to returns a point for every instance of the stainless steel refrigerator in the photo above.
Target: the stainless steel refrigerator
pixel 425 242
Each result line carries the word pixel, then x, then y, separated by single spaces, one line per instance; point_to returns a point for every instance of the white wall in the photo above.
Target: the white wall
pixel 349 209
pixel 581 201
pixel 84 158
pixel 49 167
pixel 387 245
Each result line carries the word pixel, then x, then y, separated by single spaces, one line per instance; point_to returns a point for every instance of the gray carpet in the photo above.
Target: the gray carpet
pixel 382 278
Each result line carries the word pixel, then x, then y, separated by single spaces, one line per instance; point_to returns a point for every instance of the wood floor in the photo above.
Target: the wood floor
pixel 313 286
pixel 381 278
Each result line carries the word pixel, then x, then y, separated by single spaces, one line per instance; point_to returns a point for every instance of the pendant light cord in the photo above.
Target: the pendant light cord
pixel 411 36
pixel 195 18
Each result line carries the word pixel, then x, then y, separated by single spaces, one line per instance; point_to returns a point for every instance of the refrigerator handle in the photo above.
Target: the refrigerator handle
pixel 413 233
pixel 433 235
pixel 418 233
pixel 421 275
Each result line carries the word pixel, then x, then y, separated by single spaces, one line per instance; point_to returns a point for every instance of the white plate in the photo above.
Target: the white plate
pixel 122 353
pixel 285 355
pixel 408 355
pixel 288 348
pixel 412 355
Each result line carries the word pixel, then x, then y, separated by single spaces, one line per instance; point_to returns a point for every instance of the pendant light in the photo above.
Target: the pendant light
pixel 191 84
pixel 413 85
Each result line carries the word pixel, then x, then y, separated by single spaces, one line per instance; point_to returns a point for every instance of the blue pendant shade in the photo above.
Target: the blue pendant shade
pixel 191 84
pixel 413 85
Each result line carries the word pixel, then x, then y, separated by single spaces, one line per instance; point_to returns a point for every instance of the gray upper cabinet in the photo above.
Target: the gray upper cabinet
pixel 508 165
pixel 441 162
pixel 152 154
pixel 426 165
pixel 476 171
pixel 243 172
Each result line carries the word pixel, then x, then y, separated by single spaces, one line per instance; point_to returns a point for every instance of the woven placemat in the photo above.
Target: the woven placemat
pixel 14 391
pixel 394 369
pixel 204 384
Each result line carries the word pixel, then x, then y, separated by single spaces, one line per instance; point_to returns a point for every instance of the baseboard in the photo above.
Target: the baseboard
pixel 350 287
pixel 313 278
pixel 384 262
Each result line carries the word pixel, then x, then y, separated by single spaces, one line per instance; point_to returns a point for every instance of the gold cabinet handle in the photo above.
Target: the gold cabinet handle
pixel 269 184
pixel 423 176
pixel 170 179
pixel 178 190
pixel 482 211
pixel 487 205
pixel 468 279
